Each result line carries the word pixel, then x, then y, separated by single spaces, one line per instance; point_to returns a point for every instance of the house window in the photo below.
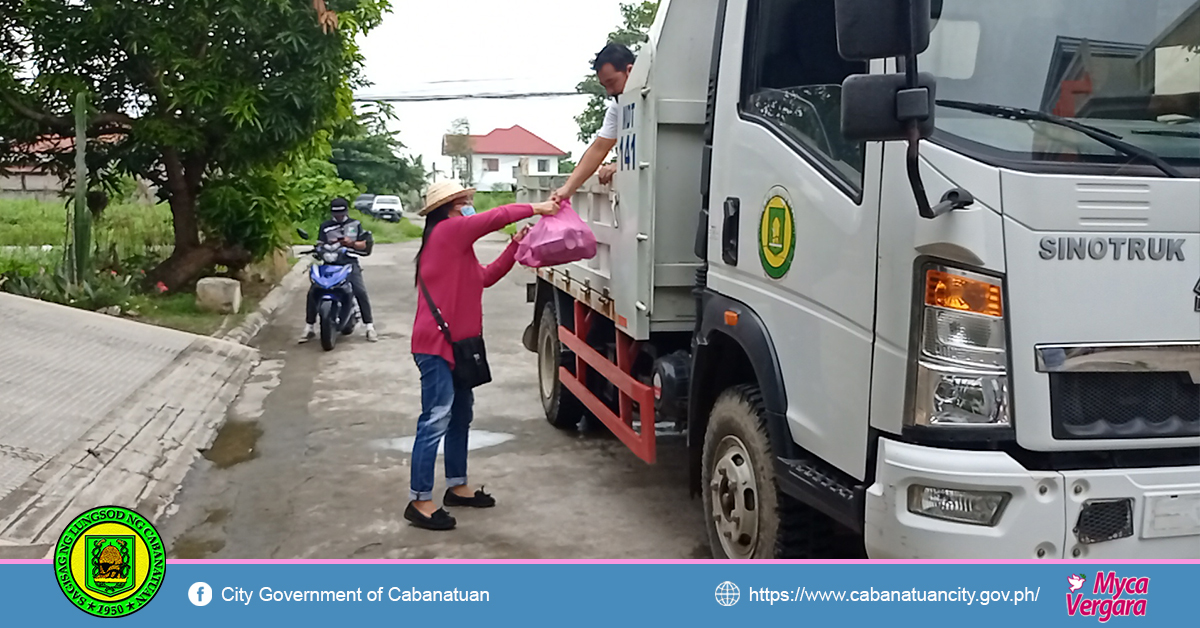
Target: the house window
pixel 543 165
pixel 491 165
pixel 793 82
pixel 516 171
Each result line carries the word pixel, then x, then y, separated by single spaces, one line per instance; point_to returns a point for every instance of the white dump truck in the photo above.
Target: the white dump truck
pixel 1010 369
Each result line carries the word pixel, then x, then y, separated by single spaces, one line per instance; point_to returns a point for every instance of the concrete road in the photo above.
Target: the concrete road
pixel 313 461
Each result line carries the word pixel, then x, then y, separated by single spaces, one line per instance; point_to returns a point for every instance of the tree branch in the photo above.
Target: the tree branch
pixel 60 124
pixel 106 122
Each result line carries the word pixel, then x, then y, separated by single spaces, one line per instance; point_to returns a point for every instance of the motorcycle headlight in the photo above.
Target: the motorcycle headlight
pixel 329 257
pixel 962 370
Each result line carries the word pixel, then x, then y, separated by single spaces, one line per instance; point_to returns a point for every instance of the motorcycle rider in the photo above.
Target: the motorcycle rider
pixel 359 242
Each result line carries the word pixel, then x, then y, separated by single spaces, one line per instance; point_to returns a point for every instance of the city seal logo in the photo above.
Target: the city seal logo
pixel 110 562
pixel 777 237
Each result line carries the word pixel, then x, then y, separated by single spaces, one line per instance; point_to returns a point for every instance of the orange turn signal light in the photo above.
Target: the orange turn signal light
pixel 731 318
pixel 956 292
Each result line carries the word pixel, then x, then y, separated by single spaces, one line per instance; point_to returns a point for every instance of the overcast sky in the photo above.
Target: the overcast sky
pixel 472 46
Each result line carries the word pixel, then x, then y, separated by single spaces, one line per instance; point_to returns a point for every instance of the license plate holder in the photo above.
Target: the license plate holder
pixel 1169 515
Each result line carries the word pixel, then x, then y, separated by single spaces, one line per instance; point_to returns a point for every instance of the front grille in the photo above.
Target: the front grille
pixel 1108 520
pixel 1087 406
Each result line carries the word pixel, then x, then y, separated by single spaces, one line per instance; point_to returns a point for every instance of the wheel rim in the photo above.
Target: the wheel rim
pixel 734 496
pixel 547 365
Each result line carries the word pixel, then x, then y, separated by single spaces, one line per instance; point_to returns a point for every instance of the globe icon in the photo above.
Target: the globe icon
pixel 728 594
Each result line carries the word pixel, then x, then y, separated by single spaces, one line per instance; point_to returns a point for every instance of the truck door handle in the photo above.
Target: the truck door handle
pixel 729 231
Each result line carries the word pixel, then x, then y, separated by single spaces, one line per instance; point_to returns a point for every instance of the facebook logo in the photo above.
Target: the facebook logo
pixel 200 594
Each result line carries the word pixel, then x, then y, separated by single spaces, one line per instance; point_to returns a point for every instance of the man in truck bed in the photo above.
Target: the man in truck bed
pixel 612 66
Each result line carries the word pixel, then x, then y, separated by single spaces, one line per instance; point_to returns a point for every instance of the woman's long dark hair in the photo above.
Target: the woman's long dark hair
pixel 432 219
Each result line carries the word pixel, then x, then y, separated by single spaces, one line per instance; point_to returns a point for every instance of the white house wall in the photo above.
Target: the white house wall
pixel 504 176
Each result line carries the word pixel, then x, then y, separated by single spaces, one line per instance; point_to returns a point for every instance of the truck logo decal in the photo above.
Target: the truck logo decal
pixel 777 237
pixel 1155 249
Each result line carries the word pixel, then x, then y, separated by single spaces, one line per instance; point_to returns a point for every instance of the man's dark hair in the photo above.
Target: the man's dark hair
pixel 616 54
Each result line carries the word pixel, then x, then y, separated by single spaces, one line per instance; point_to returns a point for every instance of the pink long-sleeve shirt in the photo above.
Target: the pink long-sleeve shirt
pixel 456 280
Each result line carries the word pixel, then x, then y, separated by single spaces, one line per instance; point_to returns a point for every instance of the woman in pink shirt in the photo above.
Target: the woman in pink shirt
pixel 455 280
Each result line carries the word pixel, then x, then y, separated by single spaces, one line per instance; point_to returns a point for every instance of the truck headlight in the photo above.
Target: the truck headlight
pixel 975 507
pixel 962 370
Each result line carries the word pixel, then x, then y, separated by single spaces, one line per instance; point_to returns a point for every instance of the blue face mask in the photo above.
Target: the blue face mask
pixel 468 211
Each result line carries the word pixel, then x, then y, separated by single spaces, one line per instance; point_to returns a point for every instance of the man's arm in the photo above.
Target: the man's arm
pixel 588 164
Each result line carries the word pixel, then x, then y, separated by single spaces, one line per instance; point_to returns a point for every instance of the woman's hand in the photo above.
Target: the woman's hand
pixel 547 208
pixel 520 235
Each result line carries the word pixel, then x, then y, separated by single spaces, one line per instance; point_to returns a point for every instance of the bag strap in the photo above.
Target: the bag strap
pixel 437 314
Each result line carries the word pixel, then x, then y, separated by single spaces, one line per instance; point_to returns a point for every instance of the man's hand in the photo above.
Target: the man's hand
pixel 606 173
pixel 560 195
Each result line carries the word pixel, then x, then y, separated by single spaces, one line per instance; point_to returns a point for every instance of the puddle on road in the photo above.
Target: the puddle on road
pixel 217 516
pixel 237 442
pixel 479 440
pixel 189 549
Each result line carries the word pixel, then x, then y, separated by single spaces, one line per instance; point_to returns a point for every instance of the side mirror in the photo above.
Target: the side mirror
pixel 878 29
pixel 303 234
pixel 880 107
pixel 892 107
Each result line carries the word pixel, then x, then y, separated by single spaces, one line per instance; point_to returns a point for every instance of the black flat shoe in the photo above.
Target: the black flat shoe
pixel 480 500
pixel 441 520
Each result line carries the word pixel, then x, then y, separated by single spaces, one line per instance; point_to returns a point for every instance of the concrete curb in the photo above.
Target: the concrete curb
pixel 244 333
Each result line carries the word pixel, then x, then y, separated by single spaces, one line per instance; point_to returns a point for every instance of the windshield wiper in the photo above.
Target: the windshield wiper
pixel 1170 133
pixel 1107 138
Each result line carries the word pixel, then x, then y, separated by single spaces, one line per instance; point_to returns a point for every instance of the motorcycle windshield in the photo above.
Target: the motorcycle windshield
pixel 330 276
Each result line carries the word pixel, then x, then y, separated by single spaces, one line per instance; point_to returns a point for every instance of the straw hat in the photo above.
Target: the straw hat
pixel 443 192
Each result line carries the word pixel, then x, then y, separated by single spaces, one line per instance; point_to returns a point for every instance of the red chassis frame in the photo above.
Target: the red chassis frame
pixel 620 375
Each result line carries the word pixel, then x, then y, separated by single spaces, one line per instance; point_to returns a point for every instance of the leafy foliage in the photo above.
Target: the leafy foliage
pixel 188 94
pixel 365 152
pixel 101 290
pixel 637 19
pixel 460 148
pixel 566 165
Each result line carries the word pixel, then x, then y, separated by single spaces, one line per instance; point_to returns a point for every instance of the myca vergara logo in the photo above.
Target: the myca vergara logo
pixel 1112 596
pixel 110 561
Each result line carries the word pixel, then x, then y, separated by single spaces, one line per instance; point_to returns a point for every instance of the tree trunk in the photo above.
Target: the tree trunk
pixel 190 257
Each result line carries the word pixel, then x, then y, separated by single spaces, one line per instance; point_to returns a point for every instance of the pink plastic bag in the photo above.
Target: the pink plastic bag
pixel 559 239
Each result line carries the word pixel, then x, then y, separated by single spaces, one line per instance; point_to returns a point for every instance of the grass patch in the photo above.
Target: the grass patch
pixel 487 201
pixel 130 227
pixel 383 231
pixel 391 232
pixel 179 311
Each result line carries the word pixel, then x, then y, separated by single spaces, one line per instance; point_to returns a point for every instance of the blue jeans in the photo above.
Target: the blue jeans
pixel 446 411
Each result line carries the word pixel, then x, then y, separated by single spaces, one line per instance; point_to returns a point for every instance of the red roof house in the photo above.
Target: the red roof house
pixel 499 157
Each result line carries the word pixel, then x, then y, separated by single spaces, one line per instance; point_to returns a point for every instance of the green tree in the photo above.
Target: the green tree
pixel 566 165
pixel 637 19
pixel 458 145
pixel 192 95
pixel 365 152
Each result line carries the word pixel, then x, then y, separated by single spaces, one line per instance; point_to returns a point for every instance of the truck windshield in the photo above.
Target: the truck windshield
pixel 1130 68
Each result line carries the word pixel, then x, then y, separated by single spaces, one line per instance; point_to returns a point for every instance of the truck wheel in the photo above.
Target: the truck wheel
pixel 328 339
pixel 748 517
pixel 563 410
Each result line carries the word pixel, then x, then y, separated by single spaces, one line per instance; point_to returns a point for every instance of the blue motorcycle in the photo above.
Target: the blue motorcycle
pixel 337 310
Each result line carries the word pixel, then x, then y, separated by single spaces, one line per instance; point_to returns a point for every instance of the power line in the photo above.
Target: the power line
pixel 448 97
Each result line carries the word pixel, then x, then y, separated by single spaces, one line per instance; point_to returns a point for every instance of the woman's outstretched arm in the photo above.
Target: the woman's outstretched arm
pixel 471 228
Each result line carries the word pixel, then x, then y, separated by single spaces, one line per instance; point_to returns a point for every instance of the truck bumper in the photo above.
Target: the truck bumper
pixel 1042 515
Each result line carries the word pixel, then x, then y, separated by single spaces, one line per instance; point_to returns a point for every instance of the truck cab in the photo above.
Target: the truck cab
pixel 1010 372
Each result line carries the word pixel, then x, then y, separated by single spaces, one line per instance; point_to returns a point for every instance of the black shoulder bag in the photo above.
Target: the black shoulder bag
pixel 470 356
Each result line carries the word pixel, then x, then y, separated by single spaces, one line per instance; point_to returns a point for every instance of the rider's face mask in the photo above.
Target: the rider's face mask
pixel 468 211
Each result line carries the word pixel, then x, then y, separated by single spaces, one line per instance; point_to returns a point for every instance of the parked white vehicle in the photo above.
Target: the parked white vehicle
pixel 1012 372
pixel 387 208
